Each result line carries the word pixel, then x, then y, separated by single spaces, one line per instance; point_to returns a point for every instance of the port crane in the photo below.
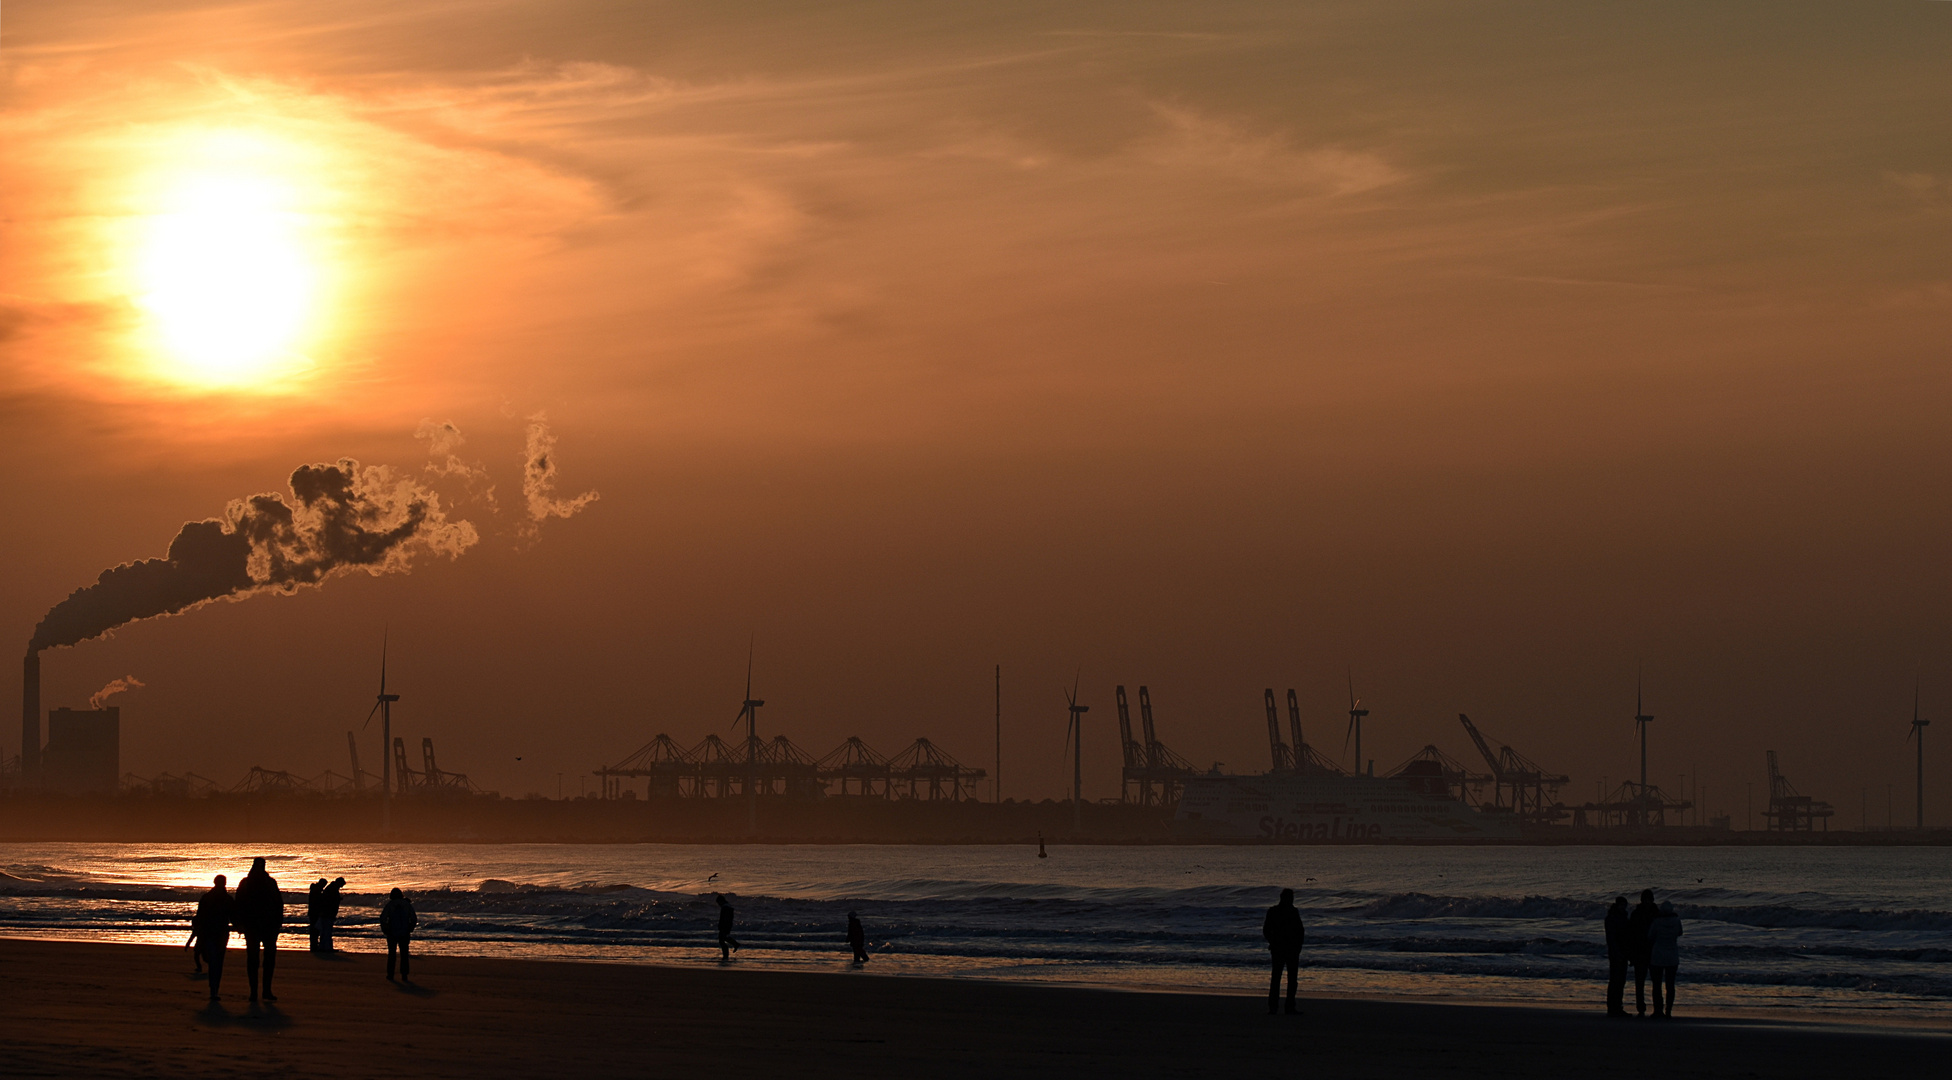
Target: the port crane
pixel 1789 810
pixel 1519 785
pixel 1154 772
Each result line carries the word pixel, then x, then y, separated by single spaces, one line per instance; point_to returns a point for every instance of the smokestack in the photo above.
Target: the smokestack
pixel 30 715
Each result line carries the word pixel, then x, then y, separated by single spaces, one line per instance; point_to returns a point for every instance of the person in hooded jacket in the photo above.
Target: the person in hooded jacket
pixel 1285 935
pixel 211 927
pixel 1637 924
pixel 259 914
pixel 1664 956
pixel 1617 954
pixel 397 923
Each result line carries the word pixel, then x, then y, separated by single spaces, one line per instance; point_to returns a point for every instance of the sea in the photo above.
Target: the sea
pixel 1853 932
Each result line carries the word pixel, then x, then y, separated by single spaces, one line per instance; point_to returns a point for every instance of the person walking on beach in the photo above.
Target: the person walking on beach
pixel 314 909
pixel 1285 936
pixel 858 938
pixel 726 942
pixel 259 914
pixel 397 923
pixel 329 913
pixel 1664 955
pixel 211 929
pixel 1637 924
pixel 1617 954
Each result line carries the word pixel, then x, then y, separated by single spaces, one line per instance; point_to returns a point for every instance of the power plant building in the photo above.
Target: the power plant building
pixel 84 750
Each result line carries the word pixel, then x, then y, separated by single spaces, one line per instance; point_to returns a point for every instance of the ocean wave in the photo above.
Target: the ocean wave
pixel 1416 905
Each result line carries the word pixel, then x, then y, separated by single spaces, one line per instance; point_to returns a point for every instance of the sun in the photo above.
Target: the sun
pixel 224 274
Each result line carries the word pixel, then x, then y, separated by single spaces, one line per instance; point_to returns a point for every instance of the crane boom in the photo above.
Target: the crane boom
pixel 1134 754
pixel 1283 757
pixel 1151 737
pixel 1484 748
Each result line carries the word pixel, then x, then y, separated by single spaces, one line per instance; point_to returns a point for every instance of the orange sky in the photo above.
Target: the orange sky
pixel 1490 351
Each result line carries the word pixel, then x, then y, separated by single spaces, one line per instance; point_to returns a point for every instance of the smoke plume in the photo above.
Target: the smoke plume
pixel 114 687
pixel 443 439
pixel 339 518
pixel 539 477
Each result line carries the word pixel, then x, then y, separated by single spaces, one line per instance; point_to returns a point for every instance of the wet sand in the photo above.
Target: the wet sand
pixel 135 1010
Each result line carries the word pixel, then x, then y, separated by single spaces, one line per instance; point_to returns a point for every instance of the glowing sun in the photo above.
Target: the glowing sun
pixel 224 274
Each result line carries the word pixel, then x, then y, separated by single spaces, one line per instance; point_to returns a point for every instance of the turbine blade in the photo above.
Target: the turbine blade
pixel 370 715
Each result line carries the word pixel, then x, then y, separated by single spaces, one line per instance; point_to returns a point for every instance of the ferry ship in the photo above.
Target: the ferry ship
pixel 1321 806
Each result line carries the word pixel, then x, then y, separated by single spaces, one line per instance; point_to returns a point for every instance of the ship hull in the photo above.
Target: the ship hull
pixel 1330 809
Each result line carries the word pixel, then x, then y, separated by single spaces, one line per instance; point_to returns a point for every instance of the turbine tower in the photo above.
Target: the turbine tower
pixel 1640 722
pixel 1074 732
pixel 1918 732
pixel 749 712
pixel 1356 713
pixel 384 707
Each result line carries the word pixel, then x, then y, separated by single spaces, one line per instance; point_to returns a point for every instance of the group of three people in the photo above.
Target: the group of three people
pixel 257 911
pixel 1649 938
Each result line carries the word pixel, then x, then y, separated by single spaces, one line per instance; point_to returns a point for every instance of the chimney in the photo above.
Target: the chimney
pixel 30 715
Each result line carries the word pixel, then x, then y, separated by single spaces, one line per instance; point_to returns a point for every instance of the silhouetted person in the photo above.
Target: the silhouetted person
pixel 397 922
pixel 1663 956
pixel 314 911
pixel 258 912
pixel 329 913
pixel 1618 952
pixel 1285 936
pixel 1637 924
pixel 211 927
pixel 726 942
pixel 857 937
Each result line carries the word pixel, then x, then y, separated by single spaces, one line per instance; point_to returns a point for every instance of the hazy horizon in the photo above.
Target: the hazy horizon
pixel 1491 356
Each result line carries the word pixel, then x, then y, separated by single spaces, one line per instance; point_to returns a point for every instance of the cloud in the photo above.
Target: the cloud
pixel 1202 141
pixel 539 478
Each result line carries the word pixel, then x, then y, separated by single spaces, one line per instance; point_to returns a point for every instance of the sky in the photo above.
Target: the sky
pixel 1483 356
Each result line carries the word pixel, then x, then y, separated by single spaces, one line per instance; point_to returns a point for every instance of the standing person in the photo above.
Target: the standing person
pixel 858 938
pixel 1285 936
pixel 1618 951
pixel 329 913
pixel 1637 924
pixel 314 909
pixel 211 929
pixel 259 914
pixel 1664 955
pixel 726 942
pixel 397 922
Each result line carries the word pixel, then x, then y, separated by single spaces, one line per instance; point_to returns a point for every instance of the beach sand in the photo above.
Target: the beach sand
pixel 103 1010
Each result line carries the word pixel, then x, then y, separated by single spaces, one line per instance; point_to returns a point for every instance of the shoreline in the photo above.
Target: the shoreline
pixel 1319 982
pixel 126 1010
pixel 315 819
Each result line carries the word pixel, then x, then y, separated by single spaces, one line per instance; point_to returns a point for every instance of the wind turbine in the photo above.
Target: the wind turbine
pixel 1640 722
pixel 749 712
pixel 1356 713
pixel 384 707
pixel 1918 732
pixel 1074 734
